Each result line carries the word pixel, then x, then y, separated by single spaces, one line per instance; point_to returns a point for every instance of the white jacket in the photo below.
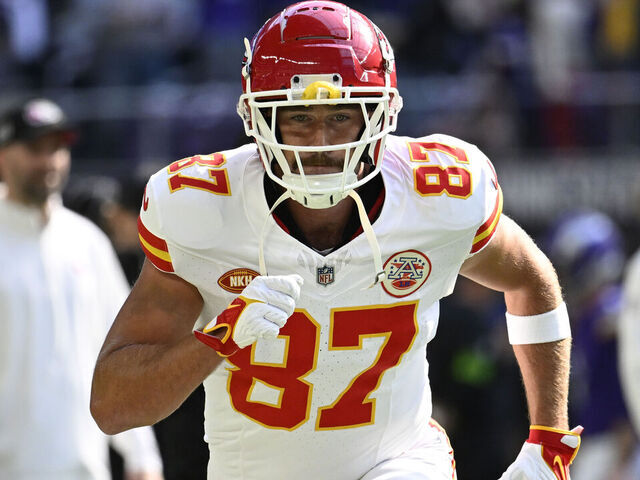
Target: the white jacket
pixel 60 288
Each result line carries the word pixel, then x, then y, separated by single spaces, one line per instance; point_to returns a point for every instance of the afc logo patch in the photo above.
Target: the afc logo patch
pixel 324 275
pixel 405 272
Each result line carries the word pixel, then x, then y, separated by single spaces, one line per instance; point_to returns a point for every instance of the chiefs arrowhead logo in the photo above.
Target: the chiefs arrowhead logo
pixel 235 280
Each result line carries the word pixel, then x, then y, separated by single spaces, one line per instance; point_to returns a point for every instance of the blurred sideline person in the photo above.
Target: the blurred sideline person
pixel 317 257
pixel 112 203
pixel 60 285
pixel 587 249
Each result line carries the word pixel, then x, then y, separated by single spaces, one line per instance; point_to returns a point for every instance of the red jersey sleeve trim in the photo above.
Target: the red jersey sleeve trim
pixel 488 228
pixel 154 248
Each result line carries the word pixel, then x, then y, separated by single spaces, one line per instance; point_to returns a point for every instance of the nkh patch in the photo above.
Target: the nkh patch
pixel 405 272
pixel 325 275
pixel 235 280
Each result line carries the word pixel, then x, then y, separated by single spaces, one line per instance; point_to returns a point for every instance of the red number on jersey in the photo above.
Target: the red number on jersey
pixel 436 180
pixel 419 151
pixel 353 407
pixel 429 180
pixel 397 325
pixel 292 409
pixel 219 183
pixel 213 160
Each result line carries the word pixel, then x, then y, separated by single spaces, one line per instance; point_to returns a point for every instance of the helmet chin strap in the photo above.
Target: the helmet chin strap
pixel 366 228
pixel 371 238
pixel 325 181
pixel 263 231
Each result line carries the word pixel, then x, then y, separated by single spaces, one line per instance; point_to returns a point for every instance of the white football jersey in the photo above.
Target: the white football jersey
pixel 345 385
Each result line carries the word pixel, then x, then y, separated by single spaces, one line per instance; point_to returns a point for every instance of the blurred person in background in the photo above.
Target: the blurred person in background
pixel 112 203
pixel 60 285
pixel 587 250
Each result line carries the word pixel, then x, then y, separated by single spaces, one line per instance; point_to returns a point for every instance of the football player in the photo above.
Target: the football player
pixel 299 276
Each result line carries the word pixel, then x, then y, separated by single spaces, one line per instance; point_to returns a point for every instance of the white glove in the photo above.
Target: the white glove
pixel 546 455
pixel 260 311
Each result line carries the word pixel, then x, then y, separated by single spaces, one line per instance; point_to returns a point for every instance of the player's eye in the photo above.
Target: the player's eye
pixel 300 117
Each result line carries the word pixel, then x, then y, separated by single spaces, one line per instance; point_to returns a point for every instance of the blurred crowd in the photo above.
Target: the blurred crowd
pixel 113 42
pixel 156 80
pixel 510 75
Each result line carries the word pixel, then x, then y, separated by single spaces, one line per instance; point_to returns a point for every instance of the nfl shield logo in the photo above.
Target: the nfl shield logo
pixel 325 275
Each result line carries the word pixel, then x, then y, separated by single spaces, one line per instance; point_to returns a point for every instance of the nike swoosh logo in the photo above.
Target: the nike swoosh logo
pixel 212 324
pixel 209 328
pixel 558 461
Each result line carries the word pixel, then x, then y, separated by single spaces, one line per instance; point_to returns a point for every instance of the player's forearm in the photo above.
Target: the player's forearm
pixel 544 366
pixel 139 385
pixel 545 372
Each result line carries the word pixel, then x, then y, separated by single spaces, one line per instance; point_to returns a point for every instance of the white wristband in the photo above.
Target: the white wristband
pixel 542 328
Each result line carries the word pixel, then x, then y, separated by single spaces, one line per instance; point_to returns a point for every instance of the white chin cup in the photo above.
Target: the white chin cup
pixel 319 191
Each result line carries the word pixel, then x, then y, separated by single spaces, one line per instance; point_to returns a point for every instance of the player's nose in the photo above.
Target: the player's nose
pixel 320 136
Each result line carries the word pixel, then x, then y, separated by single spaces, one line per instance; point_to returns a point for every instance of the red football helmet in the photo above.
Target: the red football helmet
pixel 314 53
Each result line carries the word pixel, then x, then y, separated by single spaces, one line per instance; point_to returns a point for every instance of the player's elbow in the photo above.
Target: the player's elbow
pixel 104 416
pixel 113 414
pixel 106 409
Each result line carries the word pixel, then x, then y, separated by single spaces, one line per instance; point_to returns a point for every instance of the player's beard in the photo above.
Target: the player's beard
pixel 334 162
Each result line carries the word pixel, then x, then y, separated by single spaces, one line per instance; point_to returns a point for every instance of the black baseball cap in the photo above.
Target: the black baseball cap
pixel 32 119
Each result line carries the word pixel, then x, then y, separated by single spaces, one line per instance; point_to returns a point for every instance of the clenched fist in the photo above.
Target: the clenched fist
pixel 260 311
